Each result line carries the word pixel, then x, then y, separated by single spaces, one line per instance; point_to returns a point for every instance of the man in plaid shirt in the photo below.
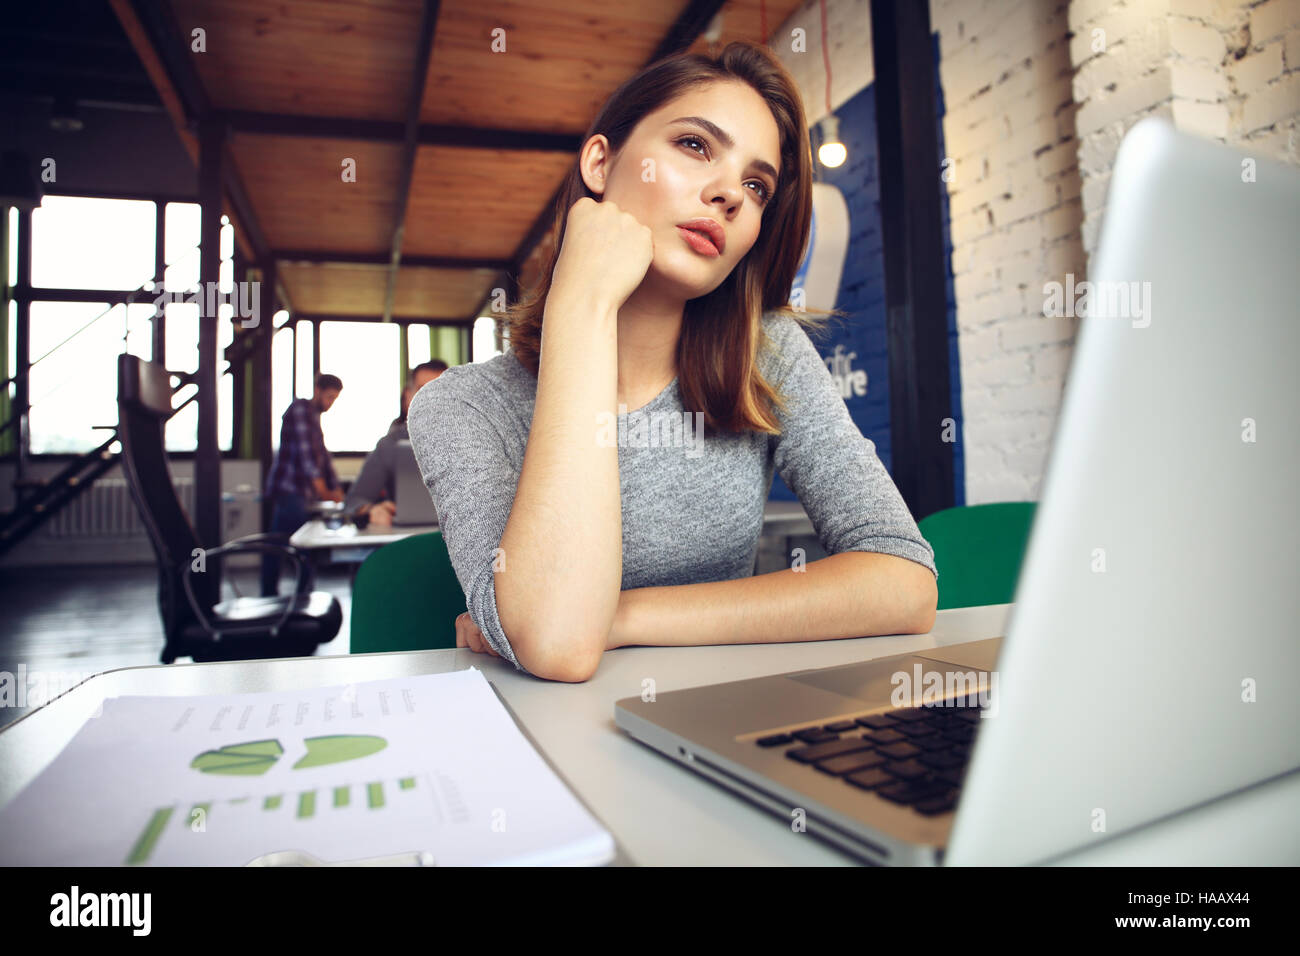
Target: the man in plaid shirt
pixel 302 471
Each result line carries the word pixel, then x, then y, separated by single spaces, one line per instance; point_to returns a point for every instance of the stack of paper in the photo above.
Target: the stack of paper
pixel 431 768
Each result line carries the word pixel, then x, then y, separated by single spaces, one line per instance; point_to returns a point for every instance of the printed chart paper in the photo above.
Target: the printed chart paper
pixel 427 764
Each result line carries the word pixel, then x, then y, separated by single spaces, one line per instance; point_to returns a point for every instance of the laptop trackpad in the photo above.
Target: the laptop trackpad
pixel 871 682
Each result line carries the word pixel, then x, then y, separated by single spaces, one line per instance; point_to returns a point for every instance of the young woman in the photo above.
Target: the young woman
pixel 679 234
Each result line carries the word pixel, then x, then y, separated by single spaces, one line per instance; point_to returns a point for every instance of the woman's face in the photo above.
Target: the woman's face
pixel 676 167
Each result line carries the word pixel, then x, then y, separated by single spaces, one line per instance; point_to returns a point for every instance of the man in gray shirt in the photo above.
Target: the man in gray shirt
pixel 373 491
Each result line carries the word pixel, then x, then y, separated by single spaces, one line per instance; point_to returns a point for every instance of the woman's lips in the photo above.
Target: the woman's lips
pixel 699 242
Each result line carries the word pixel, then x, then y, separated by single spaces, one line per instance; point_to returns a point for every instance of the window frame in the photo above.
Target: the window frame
pixel 23 292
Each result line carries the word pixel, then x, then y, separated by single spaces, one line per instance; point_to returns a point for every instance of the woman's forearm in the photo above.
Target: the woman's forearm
pixel 853 594
pixel 563 541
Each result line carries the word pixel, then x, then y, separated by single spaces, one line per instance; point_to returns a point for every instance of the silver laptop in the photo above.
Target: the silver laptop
pixel 1149 658
pixel 414 503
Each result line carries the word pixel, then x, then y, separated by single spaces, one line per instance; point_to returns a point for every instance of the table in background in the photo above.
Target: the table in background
pixel 348 544
pixel 782 521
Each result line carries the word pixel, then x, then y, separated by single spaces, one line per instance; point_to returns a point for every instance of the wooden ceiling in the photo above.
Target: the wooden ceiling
pixel 458 147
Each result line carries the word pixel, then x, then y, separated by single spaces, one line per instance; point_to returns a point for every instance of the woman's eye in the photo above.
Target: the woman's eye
pixel 767 193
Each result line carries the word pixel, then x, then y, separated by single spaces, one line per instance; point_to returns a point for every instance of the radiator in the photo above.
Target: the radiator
pixel 106 510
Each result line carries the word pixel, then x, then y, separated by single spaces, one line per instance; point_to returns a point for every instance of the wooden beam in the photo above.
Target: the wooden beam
pixel 141 41
pixel 321 257
pixel 160 198
pixel 318 317
pixel 282 294
pixel 687 28
pixel 319 127
pixel 384 131
pixel 419 80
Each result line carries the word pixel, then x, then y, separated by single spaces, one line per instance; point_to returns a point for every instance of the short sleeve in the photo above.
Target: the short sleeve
pixel 825 459
pixel 464 464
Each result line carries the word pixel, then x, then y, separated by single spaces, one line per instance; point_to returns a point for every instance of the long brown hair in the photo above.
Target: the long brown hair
pixel 721 334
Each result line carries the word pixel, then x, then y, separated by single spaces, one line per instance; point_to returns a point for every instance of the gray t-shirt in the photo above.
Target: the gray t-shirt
pixel 692 509
pixel 378 478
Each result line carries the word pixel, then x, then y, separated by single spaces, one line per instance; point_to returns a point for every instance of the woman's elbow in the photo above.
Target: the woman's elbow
pixel 928 605
pixel 568 660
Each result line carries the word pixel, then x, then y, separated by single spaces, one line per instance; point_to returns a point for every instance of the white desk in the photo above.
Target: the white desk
pixel 658 812
pixel 347 543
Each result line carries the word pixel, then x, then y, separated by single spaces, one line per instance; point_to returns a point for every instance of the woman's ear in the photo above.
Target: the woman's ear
pixel 594 163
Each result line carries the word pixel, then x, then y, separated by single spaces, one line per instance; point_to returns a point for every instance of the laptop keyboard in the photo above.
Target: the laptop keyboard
pixel 913 756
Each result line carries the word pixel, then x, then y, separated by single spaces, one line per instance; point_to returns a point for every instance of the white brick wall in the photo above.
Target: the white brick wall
pixel 848 34
pixel 1016 210
pixel 1221 69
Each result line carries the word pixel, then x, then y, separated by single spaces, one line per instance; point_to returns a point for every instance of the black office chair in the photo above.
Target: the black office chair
pixel 195 624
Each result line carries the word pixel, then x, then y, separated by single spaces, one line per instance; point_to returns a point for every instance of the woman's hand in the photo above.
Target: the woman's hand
pixel 468 635
pixel 606 252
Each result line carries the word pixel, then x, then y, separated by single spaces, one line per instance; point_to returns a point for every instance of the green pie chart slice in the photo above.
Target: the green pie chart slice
pixel 247 759
pixel 322 751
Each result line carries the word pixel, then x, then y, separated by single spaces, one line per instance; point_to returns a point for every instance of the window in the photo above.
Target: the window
pixel 281 379
pixel 364 356
pixel 183 356
pixel 450 343
pixel 13 246
pixel 10 391
pixel 181 253
pixel 226 382
pixel 305 381
pixel 12 353
pixel 485 338
pixel 88 243
pixel 73 387
pixel 181 248
pixel 226 274
pixel 419 344
pixel 81 243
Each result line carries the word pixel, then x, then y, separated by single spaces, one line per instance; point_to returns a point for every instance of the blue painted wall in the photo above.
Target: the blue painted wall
pixel 862 288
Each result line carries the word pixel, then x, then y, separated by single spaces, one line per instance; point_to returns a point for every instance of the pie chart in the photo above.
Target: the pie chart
pixel 258 756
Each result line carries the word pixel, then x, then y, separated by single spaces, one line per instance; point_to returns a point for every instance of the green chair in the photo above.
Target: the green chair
pixel 978 550
pixel 406 597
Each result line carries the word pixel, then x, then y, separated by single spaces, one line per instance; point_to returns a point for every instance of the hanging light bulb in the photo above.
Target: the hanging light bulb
pixel 832 152
pixel 713 32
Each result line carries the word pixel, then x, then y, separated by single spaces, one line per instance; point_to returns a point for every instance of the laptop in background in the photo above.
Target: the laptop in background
pixel 414 503
pixel 1148 658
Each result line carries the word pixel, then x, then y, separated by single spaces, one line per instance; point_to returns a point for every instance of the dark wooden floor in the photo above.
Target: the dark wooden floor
pixel 94 619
